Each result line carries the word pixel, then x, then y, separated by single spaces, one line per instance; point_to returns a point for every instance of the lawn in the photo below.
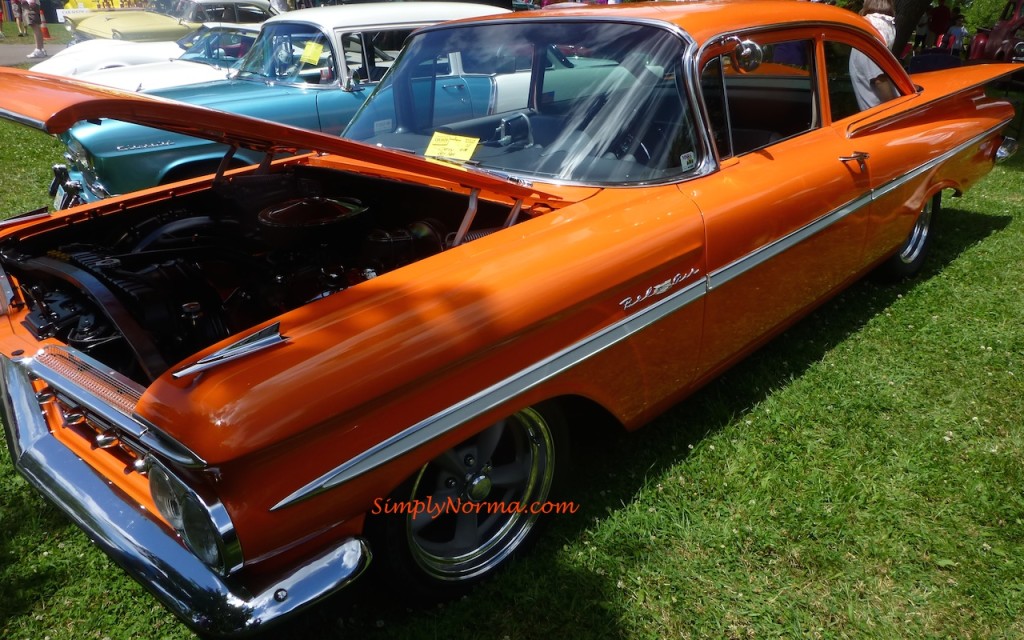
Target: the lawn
pixel 860 476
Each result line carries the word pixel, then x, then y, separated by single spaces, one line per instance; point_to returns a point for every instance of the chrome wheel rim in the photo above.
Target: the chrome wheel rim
pixel 918 238
pixel 463 531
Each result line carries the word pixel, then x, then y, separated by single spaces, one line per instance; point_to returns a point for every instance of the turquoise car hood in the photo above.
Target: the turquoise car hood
pixel 246 96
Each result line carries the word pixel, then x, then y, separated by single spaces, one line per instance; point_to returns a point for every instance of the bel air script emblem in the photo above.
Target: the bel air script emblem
pixel 659 289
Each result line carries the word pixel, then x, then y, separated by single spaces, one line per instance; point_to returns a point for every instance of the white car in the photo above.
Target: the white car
pixel 210 57
pixel 93 55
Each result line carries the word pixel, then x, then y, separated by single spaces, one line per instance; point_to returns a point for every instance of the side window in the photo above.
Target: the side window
pixel 368 64
pixel 855 82
pixel 250 14
pixel 774 102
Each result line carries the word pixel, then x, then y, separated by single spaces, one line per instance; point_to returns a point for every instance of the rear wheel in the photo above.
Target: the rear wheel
pixel 910 257
pixel 480 495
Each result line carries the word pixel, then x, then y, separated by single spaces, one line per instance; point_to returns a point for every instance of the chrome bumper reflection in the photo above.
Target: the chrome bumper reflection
pixel 142 545
pixel 1006 149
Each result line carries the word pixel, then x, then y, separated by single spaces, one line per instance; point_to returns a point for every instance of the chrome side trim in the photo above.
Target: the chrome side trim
pixel 144 547
pixel 262 339
pixel 895 183
pixel 767 252
pixel 763 254
pixel 486 399
pixel 504 390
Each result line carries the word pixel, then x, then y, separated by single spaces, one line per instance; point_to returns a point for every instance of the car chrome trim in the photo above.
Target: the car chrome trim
pixel 1007 149
pixel 104 394
pixel 258 341
pixel 766 252
pixel 230 546
pixel 143 546
pixel 761 255
pixel 498 393
pixel 504 390
pixel 895 183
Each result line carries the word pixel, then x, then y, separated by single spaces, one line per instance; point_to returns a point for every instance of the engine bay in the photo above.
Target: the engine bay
pixel 145 288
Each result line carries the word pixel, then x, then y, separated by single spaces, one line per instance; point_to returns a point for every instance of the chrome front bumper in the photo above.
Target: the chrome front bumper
pixel 204 600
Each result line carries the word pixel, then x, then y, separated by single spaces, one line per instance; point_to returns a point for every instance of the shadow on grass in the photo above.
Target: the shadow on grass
pixel 539 596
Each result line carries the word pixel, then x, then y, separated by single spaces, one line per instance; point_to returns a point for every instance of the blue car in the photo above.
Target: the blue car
pixel 311 68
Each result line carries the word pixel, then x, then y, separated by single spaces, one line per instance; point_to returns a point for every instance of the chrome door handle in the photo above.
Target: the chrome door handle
pixel 860 157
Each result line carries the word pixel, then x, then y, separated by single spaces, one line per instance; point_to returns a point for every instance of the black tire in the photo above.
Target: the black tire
pixel 521 459
pixel 910 257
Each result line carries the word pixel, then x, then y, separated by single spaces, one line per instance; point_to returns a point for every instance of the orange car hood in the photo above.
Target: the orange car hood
pixel 53 104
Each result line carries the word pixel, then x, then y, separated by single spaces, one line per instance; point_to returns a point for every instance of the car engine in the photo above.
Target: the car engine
pixel 142 290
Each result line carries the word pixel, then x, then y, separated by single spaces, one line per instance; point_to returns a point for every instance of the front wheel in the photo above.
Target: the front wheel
pixel 910 257
pixel 473 507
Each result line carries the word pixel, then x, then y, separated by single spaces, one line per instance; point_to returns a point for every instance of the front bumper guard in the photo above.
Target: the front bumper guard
pixel 142 546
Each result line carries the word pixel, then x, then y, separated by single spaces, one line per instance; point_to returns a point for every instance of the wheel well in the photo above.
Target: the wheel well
pixel 583 416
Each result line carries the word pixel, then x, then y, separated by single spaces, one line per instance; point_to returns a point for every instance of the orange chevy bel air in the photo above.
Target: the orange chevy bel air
pixel 243 385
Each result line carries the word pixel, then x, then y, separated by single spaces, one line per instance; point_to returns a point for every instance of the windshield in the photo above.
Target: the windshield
pixel 290 54
pixel 217 47
pixel 577 101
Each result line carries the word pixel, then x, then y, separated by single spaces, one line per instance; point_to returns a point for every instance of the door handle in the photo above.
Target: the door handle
pixel 860 157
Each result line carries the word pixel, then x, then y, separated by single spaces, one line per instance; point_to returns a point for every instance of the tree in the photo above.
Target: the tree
pixel 908 12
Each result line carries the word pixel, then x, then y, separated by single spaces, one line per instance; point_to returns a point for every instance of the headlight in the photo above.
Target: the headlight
pixel 78 155
pixel 203 525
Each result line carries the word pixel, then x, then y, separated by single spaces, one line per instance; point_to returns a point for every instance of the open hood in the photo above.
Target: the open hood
pixel 54 104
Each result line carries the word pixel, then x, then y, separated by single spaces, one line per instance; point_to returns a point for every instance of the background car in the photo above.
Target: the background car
pixel 209 58
pixel 245 385
pixel 998 42
pixel 168 22
pixel 310 68
pixel 205 54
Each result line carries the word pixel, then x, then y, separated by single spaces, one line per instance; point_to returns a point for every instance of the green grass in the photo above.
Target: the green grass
pixel 859 477
pixel 58 34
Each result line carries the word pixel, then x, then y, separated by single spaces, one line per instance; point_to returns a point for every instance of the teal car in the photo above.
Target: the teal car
pixel 311 68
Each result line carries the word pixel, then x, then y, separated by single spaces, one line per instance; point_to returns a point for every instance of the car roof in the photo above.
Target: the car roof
pixel 706 19
pixel 385 13
pixel 262 3
pixel 231 26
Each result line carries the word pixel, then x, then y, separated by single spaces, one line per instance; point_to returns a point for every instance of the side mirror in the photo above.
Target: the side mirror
pixel 744 55
pixel 351 84
pixel 747 56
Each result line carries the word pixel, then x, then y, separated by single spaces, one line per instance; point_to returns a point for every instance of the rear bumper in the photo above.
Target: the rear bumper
pixel 143 546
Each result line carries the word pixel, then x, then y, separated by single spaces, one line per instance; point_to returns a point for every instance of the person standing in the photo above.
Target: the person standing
pixel 32 16
pixel 18 20
pixel 921 32
pixel 956 36
pixel 871 86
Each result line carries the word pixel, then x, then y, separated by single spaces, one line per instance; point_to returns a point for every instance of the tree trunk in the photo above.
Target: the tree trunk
pixel 908 12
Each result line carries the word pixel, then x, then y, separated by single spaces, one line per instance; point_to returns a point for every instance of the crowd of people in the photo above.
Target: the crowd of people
pixel 941 28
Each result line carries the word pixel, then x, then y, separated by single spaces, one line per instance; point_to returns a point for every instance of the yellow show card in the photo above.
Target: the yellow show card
pixel 311 53
pixel 451 147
